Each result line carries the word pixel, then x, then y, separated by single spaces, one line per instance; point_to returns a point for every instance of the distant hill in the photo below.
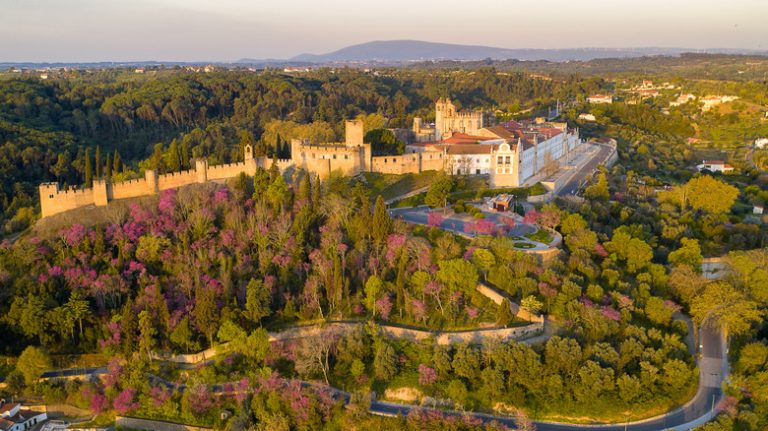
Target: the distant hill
pixel 414 50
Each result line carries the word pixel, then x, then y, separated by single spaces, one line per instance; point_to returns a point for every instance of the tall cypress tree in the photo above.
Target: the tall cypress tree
pixel 382 224
pixel 129 325
pixel 274 171
pixel 97 162
pixel 88 172
pixel 108 167
pixel 185 154
pixel 278 145
pixel 173 159
pixel 305 188
pixel 116 164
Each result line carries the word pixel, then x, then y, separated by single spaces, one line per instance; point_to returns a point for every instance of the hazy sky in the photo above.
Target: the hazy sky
pixel 222 30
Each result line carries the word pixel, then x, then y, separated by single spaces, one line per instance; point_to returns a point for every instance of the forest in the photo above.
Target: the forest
pixel 227 266
pixel 220 264
pixel 114 124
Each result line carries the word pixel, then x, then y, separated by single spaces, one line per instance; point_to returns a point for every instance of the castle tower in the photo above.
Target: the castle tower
pixel 150 176
pixel 249 161
pixel 297 155
pixel 248 152
pixel 354 133
pixel 201 167
pixel 48 192
pixel 100 193
pixel 417 124
pixel 440 114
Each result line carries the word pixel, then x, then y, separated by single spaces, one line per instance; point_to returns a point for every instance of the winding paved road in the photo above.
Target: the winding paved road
pixel 713 368
pixel 712 365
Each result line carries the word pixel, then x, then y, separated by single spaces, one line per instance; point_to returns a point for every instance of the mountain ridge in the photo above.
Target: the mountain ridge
pixel 416 50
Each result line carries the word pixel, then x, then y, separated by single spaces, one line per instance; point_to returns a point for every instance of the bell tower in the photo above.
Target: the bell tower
pixel 248 152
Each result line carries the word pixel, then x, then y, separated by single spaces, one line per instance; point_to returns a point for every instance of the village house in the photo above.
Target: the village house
pixel 682 99
pixel 600 98
pixel 715 166
pixel 14 417
pixel 712 101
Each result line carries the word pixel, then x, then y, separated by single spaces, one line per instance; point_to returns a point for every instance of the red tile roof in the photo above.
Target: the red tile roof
pixel 7 407
pixel 465 149
pixel 5 424
pixel 463 138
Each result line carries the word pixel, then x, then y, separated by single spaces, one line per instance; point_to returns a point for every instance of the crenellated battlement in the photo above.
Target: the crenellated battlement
pixel 332 147
pixel 76 191
pixel 173 174
pixel 349 158
pixel 53 200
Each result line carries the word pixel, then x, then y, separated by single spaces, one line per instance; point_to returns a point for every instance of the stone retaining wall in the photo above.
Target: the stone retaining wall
pixel 153 425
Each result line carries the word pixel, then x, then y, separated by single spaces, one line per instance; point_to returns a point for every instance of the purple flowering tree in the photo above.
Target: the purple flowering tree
pixel 427 375
pixel 124 401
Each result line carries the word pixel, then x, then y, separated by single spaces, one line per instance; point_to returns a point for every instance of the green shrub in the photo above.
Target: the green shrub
pixel 541 235
pixel 537 190
pixel 525 245
pixel 458 208
pixel 478 215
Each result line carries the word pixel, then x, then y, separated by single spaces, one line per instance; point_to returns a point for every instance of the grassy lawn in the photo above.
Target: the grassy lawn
pixel 525 245
pixel 390 186
pixel 612 413
pixel 541 235
pixel 412 201
pixel 104 420
pixel 472 191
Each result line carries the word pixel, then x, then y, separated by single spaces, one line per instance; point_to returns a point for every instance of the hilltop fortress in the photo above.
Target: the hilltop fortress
pixel 509 153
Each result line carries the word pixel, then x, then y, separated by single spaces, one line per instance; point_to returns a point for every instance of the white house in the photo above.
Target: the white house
pixel 600 98
pixel 761 143
pixel 15 418
pixel 712 101
pixel 682 99
pixel 715 166
pixel 587 117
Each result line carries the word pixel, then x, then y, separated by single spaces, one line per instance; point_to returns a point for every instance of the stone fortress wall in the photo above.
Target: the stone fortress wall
pixel 350 158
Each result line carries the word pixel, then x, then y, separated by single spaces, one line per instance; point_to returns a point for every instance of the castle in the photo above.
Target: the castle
pixel 509 153
pixel 448 120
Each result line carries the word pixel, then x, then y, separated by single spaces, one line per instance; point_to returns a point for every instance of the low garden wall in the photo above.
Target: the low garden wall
pixel 536 327
pixel 153 425
pixel 540 199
